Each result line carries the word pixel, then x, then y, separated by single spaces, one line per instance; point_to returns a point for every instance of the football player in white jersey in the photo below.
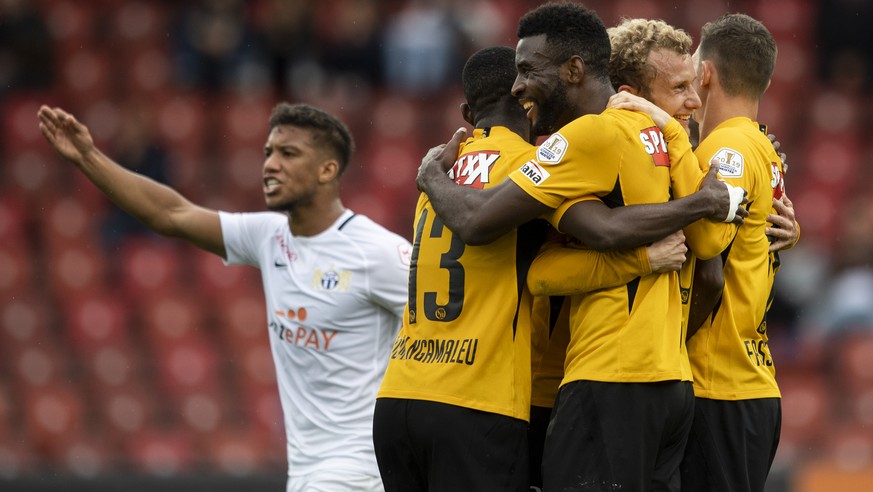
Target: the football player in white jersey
pixel 335 282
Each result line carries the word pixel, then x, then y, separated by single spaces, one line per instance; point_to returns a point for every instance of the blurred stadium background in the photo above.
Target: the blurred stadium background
pixel 131 362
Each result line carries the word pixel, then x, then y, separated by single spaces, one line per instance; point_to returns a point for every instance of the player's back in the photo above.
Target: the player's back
pixel 466 339
pixel 738 364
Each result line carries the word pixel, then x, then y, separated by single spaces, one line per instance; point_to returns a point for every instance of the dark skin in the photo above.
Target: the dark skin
pixel 481 216
pixel 708 285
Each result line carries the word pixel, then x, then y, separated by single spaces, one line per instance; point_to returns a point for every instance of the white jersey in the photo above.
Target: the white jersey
pixel 334 305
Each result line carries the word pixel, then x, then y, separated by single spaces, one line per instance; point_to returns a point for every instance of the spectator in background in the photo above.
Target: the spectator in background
pixel 287 35
pixel 421 54
pixel 335 282
pixel 216 47
pixel 26 48
pixel 138 149
pixel 844 33
pixel 349 41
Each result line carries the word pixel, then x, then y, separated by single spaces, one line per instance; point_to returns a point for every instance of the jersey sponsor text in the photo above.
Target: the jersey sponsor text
pixel 435 351
pixel 473 169
pixel 655 145
pixel 534 172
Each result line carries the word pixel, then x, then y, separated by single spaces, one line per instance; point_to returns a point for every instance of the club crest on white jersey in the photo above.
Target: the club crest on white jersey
pixel 331 280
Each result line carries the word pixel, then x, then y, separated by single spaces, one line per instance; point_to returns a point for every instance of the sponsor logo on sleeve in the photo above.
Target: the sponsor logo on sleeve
pixel 730 162
pixel 473 169
pixel 777 182
pixel 655 145
pixel 534 172
pixel 552 150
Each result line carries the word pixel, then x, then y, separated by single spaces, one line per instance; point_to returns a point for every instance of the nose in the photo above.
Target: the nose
pixel 271 162
pixel 517 87
pixel 693 100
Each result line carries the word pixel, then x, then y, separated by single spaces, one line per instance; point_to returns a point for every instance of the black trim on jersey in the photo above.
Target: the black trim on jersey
pixel 529 238
pixel 486 131
pixel 724 258
pixel 614 198
pixel 556 303
pixel 632 287
pixel 346 222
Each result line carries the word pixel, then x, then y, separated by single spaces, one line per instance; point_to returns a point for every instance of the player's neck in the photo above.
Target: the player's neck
pixel 720 107
pixel 314 218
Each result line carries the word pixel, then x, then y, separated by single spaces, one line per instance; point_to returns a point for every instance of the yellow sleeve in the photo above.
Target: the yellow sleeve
pixel 705 238
pixel 686 172
pixel 561 269
pixel 578 160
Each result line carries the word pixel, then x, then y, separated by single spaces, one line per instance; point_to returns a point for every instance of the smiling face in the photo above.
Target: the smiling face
pixel 673 87
pixel 539 87
pixel 293 168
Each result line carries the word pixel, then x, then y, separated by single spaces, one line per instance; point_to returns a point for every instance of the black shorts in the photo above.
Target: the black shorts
pixel 618 436
pixel 429 446
pixel 536 437
pixel 732 444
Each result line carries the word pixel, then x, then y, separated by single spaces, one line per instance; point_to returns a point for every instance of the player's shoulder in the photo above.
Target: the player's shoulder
pixel 367 232
pixel 374 241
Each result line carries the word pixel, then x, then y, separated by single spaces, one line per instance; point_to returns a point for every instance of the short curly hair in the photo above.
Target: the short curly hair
pixel 488 76
pixel 570 29
pixel 326 129
pixel 632 41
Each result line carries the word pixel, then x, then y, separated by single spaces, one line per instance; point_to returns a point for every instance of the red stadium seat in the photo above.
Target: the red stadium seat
pixel 150 268
pixel 97 320
pixel 171 317
pixel 854 368
pixel 239 452
pixel 806 407
pixel 187 367
pixel 126 411
pixel 163 453
pixel 243 320
pixel 53 417
pixel 17 266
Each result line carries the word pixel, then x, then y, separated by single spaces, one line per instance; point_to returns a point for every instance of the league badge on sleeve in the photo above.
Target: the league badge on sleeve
pixel 552 150
pixel 730 162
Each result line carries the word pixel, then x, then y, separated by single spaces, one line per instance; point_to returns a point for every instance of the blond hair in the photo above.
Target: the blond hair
pixel 632 41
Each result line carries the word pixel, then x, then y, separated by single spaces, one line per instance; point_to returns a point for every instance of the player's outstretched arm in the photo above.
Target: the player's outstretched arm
pixel 476 216
pixel 158 206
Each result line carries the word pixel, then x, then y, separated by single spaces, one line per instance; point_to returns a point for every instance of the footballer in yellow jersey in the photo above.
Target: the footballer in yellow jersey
pixel 737 416
pixel 465 338
pixel 730 357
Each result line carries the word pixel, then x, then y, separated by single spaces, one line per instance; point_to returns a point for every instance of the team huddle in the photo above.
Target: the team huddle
pixel 586 314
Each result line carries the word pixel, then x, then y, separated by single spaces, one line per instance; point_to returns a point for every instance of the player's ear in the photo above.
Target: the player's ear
pixel 467 113
pixel 706 73
pixel 627 88
pixel 329 171
pixel 574 69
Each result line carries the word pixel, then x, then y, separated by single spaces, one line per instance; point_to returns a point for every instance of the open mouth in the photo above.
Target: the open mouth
pixel 270 184
pixel 529 107
pixel 683 119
